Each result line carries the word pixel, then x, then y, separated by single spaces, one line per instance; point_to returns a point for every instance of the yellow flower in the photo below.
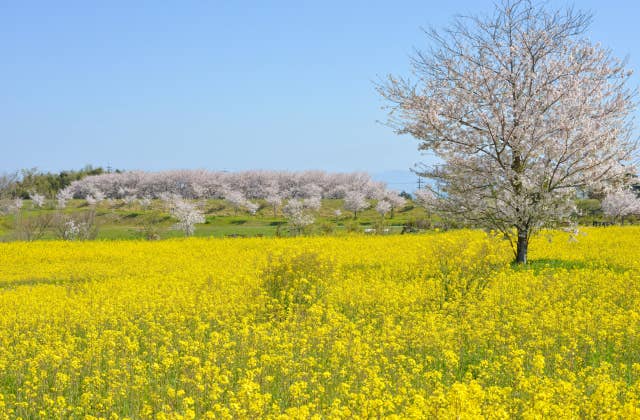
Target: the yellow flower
pixel 435 325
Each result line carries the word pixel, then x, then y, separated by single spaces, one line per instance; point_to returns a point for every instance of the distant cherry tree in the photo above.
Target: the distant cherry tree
pixel 188 215
pixel 383 207
pixel 63 196
pixel 273 197
pixel 620 203
pixel 91 200
pixel 355 201
pixel 236 199
pixel 37 200
pixel 395 201
pixel 298 214
pixel 251 207
pixel 313 203
pixel 145 202
pixel 337 213
pixel 129 199
pixel 522 109
pixel 425 198
pixel 95 197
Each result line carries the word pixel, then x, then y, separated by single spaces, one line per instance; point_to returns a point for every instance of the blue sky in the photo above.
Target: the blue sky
pixel 222 84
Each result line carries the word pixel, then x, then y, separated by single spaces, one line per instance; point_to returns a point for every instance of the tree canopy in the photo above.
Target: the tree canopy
pixel 522 109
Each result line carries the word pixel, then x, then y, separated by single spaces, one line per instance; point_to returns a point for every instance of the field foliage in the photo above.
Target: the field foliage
pixel 425 326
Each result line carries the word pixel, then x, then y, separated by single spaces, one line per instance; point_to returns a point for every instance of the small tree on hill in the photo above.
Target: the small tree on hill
pixel 298 214
pixel 273 197
pixel 522 109
pixel 188 216
pixel 395 201
pixel 383 207
pixel 355 201
pixel 63 196
pixel 236 199
pixel 37 200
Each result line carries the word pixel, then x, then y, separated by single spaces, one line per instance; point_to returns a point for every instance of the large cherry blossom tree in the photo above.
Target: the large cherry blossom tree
pixel 521 108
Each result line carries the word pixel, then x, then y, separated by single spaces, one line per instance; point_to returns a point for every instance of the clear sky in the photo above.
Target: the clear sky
pixel 222 84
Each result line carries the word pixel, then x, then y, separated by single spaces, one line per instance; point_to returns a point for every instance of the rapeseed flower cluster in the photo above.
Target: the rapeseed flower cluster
pixel 428 326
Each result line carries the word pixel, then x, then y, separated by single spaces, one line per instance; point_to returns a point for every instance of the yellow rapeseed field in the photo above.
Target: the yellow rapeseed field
pixel 427 326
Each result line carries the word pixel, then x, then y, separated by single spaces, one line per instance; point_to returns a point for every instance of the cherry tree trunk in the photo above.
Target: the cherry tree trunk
pixel 523 245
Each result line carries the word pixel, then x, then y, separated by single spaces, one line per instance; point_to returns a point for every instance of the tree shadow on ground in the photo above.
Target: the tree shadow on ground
pixel 544 264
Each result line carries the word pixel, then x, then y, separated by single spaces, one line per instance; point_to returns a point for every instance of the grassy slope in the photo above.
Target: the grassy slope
pixel 121 221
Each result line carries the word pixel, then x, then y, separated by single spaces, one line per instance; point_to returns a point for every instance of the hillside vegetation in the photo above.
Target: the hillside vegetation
pixel 120 220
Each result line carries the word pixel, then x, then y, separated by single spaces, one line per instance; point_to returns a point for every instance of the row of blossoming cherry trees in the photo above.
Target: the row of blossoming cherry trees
pixel 297 194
